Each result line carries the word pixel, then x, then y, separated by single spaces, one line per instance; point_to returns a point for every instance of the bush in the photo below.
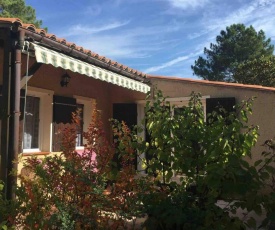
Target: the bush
pixel 79 191
pixel 207 156
pixel 68 191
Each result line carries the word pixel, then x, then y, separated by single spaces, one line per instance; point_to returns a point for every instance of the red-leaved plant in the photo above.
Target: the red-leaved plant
pixel 71 190
pixel 197 176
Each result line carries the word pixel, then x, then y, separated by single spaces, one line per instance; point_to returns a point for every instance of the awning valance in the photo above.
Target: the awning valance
pixel 47 56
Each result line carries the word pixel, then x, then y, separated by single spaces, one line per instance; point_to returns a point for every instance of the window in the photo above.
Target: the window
pixel 35 125
pixel 126 112
pixel 221 106
pixel 176 108
pixel 79 135
pixel 31 125
pixel 63 107
pixel 85 104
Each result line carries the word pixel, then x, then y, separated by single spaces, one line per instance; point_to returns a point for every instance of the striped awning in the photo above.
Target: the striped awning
pixel 47 56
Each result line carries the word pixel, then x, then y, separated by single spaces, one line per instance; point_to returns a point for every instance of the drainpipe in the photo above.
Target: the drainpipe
pixel 6 107
pixel 15 114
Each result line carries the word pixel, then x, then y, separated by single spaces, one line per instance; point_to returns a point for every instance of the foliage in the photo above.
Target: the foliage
pixel 234 46
pixel 68 191
pixel 197 176
pixel 7 208
pixel 19 9
pixel 3 208
pixel 260 71
pixel 207 157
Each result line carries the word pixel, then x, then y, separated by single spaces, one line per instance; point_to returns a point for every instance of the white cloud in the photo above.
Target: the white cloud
pixel 170 63
pixel 258 13
pixel 187 4
pixel 125 45
pixel 86 30
pixel 113 41
pixel 248 14
pixel 165 35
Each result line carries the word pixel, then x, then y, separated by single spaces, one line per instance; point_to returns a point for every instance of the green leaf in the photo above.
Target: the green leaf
pixel 265 175
pixel 258 162
pixel 169 175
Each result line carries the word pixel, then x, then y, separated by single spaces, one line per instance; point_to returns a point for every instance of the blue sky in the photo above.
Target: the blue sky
pixel 158 37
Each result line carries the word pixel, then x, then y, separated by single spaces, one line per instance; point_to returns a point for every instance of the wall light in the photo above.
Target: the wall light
pixel 65 79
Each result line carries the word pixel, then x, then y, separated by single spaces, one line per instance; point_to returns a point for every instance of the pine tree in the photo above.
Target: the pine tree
pixel 19 9
pixel 234 46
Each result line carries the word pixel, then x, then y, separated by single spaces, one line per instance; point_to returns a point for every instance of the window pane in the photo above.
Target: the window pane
pixel 31 128
pixel 79 135
pixel 63 107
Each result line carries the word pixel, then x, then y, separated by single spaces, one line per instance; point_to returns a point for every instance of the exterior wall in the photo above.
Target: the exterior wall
pixel 263 108
pixel 105 94
pixel 46 82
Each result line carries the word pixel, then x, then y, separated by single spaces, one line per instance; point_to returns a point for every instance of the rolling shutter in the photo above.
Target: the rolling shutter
pixel 63 107
pixel 127 113
pixel 215 104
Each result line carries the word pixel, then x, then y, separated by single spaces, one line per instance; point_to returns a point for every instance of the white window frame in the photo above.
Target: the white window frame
pixel 175 101
pixel 87 115
pixel 45 119
pixel 183 101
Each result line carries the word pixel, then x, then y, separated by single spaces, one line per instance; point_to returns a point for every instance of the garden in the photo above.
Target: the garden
pixel 190 165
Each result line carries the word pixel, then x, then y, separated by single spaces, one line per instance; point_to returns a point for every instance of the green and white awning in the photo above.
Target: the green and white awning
pixel 47 56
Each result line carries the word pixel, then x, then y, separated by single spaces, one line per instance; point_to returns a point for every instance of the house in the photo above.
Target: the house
pixel 43 78
pixel 226 94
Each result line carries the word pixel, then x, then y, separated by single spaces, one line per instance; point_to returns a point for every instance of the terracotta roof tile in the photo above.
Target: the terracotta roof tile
pixel 214 83
pixel 139 73
pixel 80 48
pixel 88 52
pixel 61 40
pixel 12 20
pixel 109 61
pixel 42 32
pixel 102 58
pixel 95 55
pixel 71 44
pixel 51 36
pixel 30 27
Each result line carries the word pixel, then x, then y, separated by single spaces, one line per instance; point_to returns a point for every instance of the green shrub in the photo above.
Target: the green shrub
pixel 207 155
pixel 73 191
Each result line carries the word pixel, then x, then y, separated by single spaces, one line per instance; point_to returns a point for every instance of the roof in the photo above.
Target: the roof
pixel 43 33
pixel 213 83
pixel 121 67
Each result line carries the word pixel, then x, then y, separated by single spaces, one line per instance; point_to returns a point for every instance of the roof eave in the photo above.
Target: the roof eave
pixel 16 24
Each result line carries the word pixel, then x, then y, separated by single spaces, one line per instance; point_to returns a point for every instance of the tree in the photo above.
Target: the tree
pixel 68 191
pixel 258 72
pixel 208 158
pixel 234 46
pixel 19 9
